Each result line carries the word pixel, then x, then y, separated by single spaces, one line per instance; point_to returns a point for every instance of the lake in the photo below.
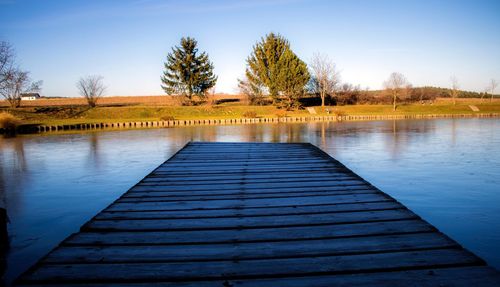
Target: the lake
pixel 446 170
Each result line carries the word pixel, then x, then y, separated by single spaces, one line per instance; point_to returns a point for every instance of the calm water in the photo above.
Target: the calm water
pixel 447 171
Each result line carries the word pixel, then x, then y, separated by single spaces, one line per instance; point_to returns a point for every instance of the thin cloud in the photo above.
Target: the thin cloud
pixel 206 6
pixel 140 8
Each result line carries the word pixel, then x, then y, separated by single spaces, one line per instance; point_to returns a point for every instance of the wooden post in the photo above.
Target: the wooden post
pixel 4 236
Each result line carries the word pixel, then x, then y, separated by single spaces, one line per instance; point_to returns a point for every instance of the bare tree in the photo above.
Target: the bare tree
pixel 17 83
pixel 348 94
pixel 325 76
pixel 91 88
pixel 13 80
pixel 454 92
pixel 395 85
pixel 406 92
pixel 492 87
pixel 254 91
pixel 6 62
pixel 210 97
pixel 421 94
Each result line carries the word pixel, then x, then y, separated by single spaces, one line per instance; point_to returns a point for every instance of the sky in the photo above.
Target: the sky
pixel 126 42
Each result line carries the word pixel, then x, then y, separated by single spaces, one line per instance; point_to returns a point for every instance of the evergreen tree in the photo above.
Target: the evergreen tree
pixel 274 66
pixel 187 72
pixel 261 69
pixel 293 76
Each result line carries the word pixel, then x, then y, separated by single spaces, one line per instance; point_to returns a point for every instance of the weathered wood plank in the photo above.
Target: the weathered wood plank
pixel 161 189
pixel 456 277
pixel 276 185
pixel 232 212
pixel 238 195
pixel 243 172
pixel 216 159
pixel 245 163
pixel 336 190
pixel 257 161
pixel 239 179
pixel 246 251
pixel 326 181
pixel 249 235
pixel 249 222
pixel 249 168
pixel 180 271
pixel 248 203
pixel 232 176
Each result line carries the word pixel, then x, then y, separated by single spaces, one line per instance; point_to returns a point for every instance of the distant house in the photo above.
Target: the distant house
pixel 30 96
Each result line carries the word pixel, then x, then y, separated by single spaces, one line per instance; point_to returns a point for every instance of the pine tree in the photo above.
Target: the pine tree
pixel 292 76
pixel 274 66
pixel 187 72
pixel 261 69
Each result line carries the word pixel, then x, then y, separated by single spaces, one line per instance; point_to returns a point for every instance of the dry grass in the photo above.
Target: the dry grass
pixel 250 114
pixel 8 121
pixel 467 101
pixel 162 100
pixel 281 113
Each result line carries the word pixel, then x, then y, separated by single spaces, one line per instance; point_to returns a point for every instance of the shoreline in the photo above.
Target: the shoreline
pixel 37 129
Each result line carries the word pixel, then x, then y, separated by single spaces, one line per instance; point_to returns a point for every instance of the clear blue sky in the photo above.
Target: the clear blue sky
pixel 127 41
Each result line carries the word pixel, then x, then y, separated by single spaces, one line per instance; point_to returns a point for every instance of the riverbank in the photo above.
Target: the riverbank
pixel 51 118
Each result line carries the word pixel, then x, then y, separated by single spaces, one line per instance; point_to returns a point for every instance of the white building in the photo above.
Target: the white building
pixel 30 96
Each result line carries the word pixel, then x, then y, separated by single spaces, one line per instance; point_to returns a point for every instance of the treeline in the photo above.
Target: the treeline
pixel 275 75
pixel 348 94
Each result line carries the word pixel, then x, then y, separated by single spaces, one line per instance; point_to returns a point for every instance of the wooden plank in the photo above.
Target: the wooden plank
pixel 232 194
pixel 239 195
pixel 295 182
pixel 251 268
pixel 248 203
pixel 247 251
pixel 242 155
pixel 257 161
pixel 243 163
pixel 275 185
pixel 247 151
pixel 242 172
pixel 242 178
pixel 456 277
pixel 144 192
pixel 217 159
pixel 249 222
pixel 250 168
pixel 286 210
pixel 248 235
pixel 259 176
pixel 164 189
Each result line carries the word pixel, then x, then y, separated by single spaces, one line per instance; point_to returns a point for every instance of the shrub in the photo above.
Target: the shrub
pixel 8 121
pixel 280 113
pixel 167 118
pixel 250 114
pixel 145 114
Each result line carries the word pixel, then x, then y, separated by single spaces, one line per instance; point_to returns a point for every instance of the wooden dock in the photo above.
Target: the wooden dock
pixel 257 214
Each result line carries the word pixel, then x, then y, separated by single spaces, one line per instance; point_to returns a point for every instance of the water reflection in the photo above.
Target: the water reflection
pixel 4 237
pixel 94 150
pixel 445 170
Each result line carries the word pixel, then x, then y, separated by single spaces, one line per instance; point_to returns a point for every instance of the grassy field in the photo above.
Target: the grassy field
pixel 152 109
pixel 158 100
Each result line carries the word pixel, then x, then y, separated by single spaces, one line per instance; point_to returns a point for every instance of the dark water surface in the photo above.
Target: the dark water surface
pixel 447 171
